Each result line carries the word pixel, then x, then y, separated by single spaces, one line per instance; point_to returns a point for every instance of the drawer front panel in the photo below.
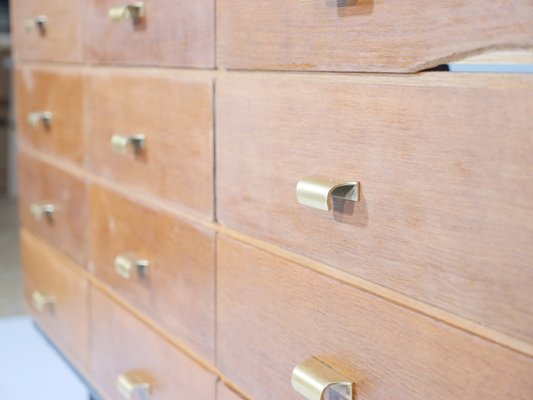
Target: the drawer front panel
pixel 53 205
pixel 280 313
pixel 47 30
pixel 174 113
pixel 367 35
pixel 49 110
pixel 225 393
pixel 56 294
pixel 446 181
pixel 171 33
pixel 121 344
pixel 181 265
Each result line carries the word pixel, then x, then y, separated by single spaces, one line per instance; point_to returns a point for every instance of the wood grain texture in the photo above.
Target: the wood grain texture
pixel 58 90
pixel 42 183
pixel 274 314
pixel 62 39
pixel 179 292
pixel 176 33
pixel 365 35
pixel 225 393
pixel 121 343
pixel 50 272
pixel 174 112
pixel 445 163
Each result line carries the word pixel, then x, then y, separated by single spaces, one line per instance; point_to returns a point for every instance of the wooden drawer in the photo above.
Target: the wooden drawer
pixel 49 110
pixel 172 33
pixel 225 393
pixel 273 314
pixel 365 35
pixel 122 344
pixel 444 162
pixel 57 296
pixel 47 30
pixel 64 226
pixel 177 289
pixel 174 112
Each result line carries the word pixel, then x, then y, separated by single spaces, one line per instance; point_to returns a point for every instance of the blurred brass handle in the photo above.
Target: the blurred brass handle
pixel 134 11
pixel 120 143
pixel 316 380
pixel 317 191
pixel 133 387
pixel 41 301
pixel 38 210
pixel 39 22
pixel 40 117
pixel 126 263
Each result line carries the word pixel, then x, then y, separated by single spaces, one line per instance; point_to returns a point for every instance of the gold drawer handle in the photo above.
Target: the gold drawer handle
pixel 40 117
pixel 120 143
pixel 132 387
pixel 316 380
pixel 134 11
pixel 41 301
pixel 126 263
pixel 317 191
pixel 37 23
pixel 38 210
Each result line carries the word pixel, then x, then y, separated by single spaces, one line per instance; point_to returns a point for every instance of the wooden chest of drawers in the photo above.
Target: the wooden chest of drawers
pixel 197 227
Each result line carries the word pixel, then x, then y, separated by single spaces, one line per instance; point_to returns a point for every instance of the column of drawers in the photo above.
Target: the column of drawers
pixel 160 214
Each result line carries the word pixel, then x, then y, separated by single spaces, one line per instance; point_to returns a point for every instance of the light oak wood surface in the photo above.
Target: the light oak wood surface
pixel 274 314
pixel 174 113
pixel 48 271
pixel 59 91
pixel 225 393
pixel 66 230
pixel 121 343
pixel 62 38
pixel 365 35
pixel 445 165
pixel 176 33
pixel 179 290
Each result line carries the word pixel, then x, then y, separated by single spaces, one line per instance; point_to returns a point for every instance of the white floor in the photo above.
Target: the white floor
pixel 30 369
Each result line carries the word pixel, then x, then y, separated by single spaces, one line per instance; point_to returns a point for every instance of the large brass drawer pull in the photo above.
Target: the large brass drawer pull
pixel 40 301
pixel 38 210
pixel 134 11
pixel 120 143
pixel 40 117
pixel 132 387
pixel 317 191
pixel 126 263
pixel 37 23
pixel 316 380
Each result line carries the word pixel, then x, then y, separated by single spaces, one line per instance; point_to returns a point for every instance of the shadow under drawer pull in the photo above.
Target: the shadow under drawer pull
pixel 132 387
pixel 126 263
pixel 316 380
pixel 40 301
pixel 134 11
pixel 317 192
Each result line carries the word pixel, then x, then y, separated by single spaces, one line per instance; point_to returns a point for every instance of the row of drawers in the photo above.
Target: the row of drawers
pixel 440 218
pixel 326 35
pixel 267 322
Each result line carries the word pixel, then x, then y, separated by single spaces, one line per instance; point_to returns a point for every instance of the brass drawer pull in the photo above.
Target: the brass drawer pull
pixel 316 380
pixel 132 387
pixel 134 11
pixel 317 192
pixel 120 143
pixel 126 263
pixel 37 23
pixel 38 210
pixel 41 301
pixel 40 117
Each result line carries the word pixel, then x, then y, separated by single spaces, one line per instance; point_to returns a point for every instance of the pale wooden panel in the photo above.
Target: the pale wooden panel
pixel 225 393
pixel 62 40
pixel 175 114
pixel 446 168
pixel 179 292
pixel 274 314
pixel 50 272
pixel 60 91
pixel 173 33
pixel 40 182
pixel 122 343
pixel 365 35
